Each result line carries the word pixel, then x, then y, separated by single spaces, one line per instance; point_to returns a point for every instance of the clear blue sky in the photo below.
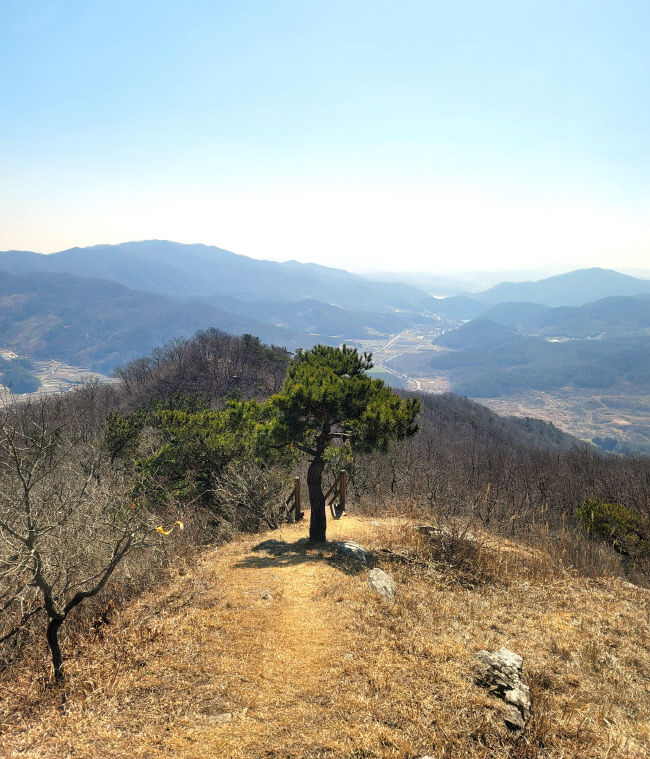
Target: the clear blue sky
pixel 424 135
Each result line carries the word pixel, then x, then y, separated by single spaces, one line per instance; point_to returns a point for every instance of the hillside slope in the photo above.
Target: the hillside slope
pixel 616 316
pixel 486 360
pixel 100 323
pixel 171 268
pixel 284 652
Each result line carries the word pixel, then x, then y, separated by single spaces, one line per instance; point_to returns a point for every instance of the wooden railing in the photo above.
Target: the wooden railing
pixel 336 494
pixel 292 503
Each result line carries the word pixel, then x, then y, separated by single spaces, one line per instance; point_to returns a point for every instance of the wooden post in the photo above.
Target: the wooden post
pixel 296 499
pixel 340 510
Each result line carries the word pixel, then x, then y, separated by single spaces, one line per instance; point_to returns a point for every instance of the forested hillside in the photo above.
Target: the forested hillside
pixel 487 360
pixel 101 324
pixel 108 490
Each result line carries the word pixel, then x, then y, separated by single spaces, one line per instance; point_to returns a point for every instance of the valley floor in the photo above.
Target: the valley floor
pixel 619 412
pixel 625 418
pixel 286 653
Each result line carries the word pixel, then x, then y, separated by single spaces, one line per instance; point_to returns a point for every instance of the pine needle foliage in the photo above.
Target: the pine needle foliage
pixel 328 400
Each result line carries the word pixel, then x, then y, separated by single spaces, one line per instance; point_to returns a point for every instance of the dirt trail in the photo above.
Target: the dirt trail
pixel 282 652
pixel 235 660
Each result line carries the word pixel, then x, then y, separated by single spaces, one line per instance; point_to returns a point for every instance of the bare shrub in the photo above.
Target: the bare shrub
pixel 250 496
pixel 515 479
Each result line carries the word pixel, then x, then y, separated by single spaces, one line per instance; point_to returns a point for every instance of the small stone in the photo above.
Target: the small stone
pixel 266 595
pixel 222 718
pixel 426 529
pixel 351 550
pixel 382 584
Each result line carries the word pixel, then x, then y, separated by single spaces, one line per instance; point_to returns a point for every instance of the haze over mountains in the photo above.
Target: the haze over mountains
pixel 575 288
pixel 608 317
pixel 104 305
pixel 170 290
pixel 202 271
pixel 100 323
pixel 572 289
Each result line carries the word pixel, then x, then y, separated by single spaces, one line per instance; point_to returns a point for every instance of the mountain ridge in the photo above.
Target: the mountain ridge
pixel 574 288
pixel 216 271
pixel 100 323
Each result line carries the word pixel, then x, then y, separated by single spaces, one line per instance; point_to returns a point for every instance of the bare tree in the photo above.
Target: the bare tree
pixel 249 496
pixel 66 522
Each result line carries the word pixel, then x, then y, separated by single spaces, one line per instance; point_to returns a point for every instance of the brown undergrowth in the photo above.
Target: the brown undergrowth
pixel 283 651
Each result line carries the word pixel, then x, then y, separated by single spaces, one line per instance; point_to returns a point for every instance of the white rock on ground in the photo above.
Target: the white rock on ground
pixel 383 584
pixel 500 672
pixel 351 550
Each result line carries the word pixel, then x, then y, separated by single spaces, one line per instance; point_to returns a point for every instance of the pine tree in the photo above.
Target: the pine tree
pixel 329 399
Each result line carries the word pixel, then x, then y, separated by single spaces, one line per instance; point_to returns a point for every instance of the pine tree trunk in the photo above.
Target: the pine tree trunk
pixel 55 649
pixel 318 520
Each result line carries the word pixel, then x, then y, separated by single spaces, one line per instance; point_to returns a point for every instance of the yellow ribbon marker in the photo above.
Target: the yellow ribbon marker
pixel 163 531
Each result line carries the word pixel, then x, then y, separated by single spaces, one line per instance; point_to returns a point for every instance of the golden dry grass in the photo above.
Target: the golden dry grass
pixel 326 669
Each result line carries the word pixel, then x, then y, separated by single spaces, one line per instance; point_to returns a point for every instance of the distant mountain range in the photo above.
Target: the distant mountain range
pixel 193 271
pixel 608 317
pixel 461 283
pixel 572 289
pixel 575 288
pixel 101 324
pixel 102 306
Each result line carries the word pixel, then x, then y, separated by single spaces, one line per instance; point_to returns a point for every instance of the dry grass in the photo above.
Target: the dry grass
pixel 326 669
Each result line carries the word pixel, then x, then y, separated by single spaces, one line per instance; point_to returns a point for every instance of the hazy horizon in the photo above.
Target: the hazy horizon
pixel 474 279
pixel 426 137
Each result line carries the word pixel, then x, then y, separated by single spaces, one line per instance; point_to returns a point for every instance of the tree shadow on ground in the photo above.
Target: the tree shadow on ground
pixel 279 553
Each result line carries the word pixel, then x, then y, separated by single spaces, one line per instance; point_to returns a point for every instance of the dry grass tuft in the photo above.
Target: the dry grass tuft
pixel 209 667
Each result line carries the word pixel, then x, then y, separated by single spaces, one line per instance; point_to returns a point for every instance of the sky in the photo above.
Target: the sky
pixel 418 135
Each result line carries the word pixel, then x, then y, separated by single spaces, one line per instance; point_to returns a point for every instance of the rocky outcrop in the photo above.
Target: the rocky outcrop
pixel 500 673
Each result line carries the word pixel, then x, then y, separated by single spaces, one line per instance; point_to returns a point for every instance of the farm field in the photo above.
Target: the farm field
pixel 625 417
pixel 59 377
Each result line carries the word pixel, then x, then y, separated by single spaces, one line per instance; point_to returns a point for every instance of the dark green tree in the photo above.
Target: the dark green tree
pixel 623 528
pixel 328 399
pixel 197 446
